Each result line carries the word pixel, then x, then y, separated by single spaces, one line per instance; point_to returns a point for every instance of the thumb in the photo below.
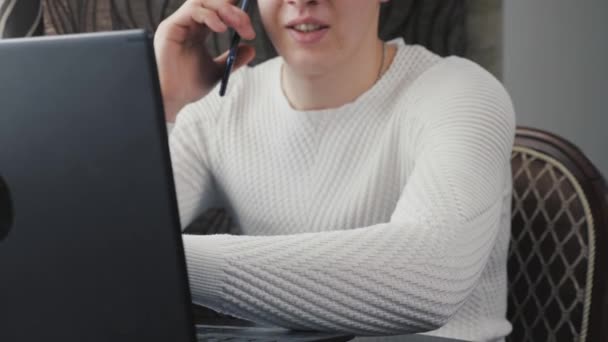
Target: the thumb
pixel 244 55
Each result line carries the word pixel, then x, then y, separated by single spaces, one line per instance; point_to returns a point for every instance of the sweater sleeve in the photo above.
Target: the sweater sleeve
pixel 189 144
pixel 410 274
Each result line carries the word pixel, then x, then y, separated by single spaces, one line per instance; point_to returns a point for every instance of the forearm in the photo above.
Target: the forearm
pixel 384 279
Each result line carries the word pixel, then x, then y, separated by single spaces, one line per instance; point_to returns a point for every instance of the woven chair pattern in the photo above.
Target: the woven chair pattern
pixel 552 249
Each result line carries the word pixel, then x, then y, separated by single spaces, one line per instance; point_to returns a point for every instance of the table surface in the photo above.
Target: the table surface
pixel 244 333
pixel 212 324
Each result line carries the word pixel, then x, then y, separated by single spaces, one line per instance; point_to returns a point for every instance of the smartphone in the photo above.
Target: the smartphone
pixel 236 39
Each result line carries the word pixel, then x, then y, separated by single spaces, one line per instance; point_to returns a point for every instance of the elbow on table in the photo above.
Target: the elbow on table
pixel 440 316
pixel 443 305
pixel 436 318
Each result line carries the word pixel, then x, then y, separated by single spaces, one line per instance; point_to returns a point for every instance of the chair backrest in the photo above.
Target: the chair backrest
pixel 557 258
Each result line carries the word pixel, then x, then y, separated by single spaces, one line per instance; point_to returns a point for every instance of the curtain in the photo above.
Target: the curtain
pixel 20 18
pixel 437 24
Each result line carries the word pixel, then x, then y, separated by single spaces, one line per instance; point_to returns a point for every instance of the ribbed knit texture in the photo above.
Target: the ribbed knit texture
pixel 388 215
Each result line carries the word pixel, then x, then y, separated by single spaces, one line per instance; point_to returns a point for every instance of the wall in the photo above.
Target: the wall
pixel 484 34
pixel 555 67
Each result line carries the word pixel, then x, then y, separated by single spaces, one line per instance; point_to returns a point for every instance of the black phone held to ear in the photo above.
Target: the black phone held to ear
pixel 232 55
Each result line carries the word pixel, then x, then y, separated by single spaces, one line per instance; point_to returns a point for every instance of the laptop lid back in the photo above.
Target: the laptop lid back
pixel 90 243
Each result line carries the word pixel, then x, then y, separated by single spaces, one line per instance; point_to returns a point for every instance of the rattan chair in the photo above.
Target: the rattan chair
pixel 557 258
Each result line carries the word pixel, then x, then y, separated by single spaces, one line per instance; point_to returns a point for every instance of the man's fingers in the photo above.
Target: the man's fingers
pixel 209 18
pixel 245 54
pixel 232 16
pixel 217 15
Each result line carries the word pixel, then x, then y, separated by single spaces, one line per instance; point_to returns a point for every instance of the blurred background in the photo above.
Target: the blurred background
pixel 550 54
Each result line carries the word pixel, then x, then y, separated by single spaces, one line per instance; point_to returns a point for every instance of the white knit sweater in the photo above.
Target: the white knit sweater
pixel 388 215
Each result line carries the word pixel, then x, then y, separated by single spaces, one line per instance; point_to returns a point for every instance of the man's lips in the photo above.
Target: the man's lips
pixel 310 37
pixel 307 29
pixel 306 20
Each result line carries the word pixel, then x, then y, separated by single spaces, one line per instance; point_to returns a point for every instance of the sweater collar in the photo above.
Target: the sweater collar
pixel 379 92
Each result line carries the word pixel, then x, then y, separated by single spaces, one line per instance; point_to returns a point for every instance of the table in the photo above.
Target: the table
pixel 247 332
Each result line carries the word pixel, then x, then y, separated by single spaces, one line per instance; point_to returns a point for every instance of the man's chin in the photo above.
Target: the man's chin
pixel 308 64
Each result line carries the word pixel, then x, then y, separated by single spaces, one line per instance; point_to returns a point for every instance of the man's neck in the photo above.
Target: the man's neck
pixel 340 86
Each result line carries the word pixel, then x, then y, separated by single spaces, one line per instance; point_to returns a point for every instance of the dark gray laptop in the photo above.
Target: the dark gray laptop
pixel 90 244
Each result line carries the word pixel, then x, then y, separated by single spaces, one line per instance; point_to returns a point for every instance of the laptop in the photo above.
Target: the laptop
pixel 90 240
